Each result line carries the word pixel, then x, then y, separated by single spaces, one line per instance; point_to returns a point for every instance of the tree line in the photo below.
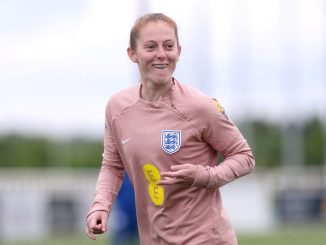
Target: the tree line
pixel 265 138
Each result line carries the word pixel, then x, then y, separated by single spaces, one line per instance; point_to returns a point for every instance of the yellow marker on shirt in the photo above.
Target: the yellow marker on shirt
pixel 155 191
pixel 218 105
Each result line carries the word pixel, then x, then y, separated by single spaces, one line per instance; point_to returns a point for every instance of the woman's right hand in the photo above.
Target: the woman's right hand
pixel 96 223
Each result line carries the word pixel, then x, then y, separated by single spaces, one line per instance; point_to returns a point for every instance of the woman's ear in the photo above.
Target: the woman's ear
pixel 179 52
pixel 132 55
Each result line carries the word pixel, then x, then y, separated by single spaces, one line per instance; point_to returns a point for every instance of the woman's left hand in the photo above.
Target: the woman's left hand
pixel 179 174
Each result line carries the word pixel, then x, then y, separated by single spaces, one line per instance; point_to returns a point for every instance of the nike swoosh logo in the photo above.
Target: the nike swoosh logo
pixel 125 141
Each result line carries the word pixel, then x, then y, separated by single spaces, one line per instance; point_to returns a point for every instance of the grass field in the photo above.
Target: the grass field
pixel 312 235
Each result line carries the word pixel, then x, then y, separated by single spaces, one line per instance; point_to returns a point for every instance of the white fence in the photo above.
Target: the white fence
pixel 39 203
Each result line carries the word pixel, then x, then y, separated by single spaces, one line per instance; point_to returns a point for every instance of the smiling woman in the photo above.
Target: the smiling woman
pixel 154 46
pixel 167 135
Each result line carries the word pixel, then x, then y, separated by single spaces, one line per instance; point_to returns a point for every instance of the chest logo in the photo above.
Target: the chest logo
pixel 156 192
pixel 171 140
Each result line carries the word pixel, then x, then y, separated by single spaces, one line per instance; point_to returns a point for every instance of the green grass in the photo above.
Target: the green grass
pixel 63 240
pixel 295 235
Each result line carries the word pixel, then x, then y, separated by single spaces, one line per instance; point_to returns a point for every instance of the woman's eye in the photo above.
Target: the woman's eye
pixel 152 46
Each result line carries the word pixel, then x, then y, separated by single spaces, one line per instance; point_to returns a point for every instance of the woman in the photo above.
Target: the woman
pixel 167 136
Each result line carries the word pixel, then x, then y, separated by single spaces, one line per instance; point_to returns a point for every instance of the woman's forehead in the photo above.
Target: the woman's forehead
pixel 156 30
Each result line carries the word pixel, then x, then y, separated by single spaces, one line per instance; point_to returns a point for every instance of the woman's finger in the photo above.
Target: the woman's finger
pixel 172 173
pixel 89 232
pixel 168 181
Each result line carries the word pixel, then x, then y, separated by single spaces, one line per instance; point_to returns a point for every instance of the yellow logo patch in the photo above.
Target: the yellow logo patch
pixel 218 106
pixel 155 191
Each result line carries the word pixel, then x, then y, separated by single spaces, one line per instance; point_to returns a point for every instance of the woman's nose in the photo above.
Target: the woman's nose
pixel 161 53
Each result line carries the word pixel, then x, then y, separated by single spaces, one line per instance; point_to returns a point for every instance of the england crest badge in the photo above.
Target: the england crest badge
pixel 171 140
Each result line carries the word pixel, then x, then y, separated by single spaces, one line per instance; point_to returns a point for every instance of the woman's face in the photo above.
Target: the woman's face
pixel 156 53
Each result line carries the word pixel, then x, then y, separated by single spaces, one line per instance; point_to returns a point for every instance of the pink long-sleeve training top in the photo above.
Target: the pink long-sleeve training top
pixel 146 138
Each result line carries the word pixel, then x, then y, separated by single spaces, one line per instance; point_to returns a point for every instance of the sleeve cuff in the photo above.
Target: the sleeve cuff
pixel 97 206
pixel 202 177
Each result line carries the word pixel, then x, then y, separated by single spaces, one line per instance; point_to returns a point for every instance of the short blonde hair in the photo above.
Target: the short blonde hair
pixel 151 17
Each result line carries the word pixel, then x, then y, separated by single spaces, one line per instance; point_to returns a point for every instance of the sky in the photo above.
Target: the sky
pixel 60 61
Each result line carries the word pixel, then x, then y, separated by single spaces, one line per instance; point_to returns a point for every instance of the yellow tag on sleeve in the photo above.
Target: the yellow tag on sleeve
pixel 219 107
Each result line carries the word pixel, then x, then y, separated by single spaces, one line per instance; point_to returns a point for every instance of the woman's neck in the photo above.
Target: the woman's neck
pixel 153 92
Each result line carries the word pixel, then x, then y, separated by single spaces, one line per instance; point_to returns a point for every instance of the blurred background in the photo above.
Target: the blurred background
pixel 60 61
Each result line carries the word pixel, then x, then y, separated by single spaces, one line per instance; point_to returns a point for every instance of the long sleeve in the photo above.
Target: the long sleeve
pixel 111 172
pixel 224 137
